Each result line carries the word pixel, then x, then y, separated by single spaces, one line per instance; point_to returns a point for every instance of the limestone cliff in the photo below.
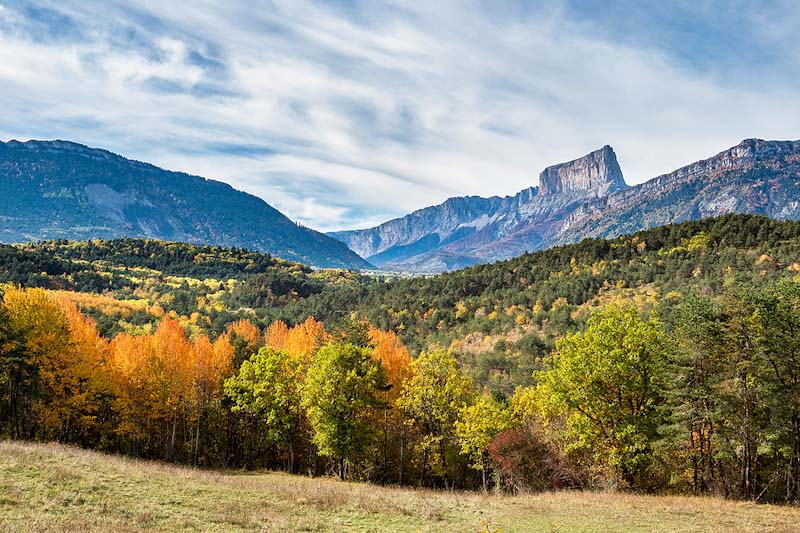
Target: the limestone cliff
pixel 583 198
pixel 597 172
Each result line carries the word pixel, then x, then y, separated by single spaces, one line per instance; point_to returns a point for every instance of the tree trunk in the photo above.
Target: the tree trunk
pixel 444 463
pixel 291 454
pixel 385 438
pixel 483 475
pixel 402 453
pixel 746 481
pixel 422 469
pixel 172 438
pixel 196 453
pixel 793 474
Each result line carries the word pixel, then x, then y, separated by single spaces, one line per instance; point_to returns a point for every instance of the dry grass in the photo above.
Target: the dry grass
pixel 58 488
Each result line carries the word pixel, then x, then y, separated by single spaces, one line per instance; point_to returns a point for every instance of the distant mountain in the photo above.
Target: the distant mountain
pixel 467 230
pixel 63 190
pixel 583 198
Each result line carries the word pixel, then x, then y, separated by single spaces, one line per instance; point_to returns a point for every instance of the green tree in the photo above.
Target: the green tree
pixel 433 398
pixel 609 383
pixel 741 389
pixel 268 386
pixel 476 427
pixel 697 369
pixel 778 341
pixel 781 344
pixel 341 398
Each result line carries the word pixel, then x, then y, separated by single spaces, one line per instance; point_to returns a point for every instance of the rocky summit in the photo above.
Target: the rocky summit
pixel 597 172
pixel 587 197
pixel 64 190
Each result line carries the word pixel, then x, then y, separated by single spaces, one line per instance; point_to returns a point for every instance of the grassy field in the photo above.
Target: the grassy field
pixel 47 487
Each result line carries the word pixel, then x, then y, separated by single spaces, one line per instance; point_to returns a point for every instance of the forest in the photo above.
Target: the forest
pixel 666 361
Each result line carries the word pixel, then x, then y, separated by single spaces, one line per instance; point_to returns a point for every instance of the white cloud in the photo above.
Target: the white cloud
pixel 371 117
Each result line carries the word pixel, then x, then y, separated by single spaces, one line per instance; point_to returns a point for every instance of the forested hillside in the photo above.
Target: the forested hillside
pixel 64 190
pixel 557 287
pixel 144 279
pixel 662 361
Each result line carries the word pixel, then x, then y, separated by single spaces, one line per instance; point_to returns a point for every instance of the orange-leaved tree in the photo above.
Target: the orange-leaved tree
pixel 396 362
pixel 305 339
pixel 246 339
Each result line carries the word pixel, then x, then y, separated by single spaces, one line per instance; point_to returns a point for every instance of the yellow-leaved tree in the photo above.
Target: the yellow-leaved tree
pixel 432 399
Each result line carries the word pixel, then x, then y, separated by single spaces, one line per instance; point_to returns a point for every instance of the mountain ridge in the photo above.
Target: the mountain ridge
pixel 66 190
pixel 588 197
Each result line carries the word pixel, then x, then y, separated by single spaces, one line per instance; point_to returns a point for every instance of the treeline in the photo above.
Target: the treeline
pixel 54 259
pixel 710 407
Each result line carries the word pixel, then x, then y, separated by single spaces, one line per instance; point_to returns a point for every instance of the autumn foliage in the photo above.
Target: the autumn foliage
pixel 164 394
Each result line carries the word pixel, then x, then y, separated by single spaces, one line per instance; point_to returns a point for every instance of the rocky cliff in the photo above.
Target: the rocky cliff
pixel 588 197
pixel 64 190
pixel 755 176
pixel 597 172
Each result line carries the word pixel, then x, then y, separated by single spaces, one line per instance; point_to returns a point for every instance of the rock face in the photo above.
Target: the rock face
pixel 755 176
pixel 63 190
pixel 585 198
pixel 598 172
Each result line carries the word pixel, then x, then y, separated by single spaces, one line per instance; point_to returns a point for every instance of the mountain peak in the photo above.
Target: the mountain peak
pixel 598 171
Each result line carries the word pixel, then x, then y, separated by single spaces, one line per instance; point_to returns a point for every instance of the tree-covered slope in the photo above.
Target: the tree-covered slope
pixel 63 190
pixel 550 285
pixel 542 291
pixel 128 283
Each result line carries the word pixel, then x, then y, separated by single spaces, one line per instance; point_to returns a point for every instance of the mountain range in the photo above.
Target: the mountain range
pixel 64 190
pixel 587 197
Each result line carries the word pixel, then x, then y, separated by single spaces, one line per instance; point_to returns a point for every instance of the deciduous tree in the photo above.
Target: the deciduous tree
pixel 341 395
pixel 609 383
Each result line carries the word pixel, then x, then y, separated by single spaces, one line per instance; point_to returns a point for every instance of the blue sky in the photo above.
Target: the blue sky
pixel 345 114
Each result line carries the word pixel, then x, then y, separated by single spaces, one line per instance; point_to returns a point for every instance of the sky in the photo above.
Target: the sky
pixel 344 114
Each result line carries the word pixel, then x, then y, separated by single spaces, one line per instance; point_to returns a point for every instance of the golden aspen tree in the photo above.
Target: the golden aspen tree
pixel 393 355
pixel 86 382
pixel 130 360
pixel 396 362
pixel 171 374
pixel 211 365
pixel 43 326
pixel 246 339
pixel 276 335
pixel 306 338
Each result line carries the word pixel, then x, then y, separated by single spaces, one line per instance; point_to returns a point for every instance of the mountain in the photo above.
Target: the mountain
pixel 64 190
pixel 584 198
pixel 468 230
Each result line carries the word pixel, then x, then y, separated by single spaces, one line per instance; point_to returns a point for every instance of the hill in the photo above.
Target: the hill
pixel 60 488
pixel 144 279
pixel 63 190
pixel 584 198
pixel 554 289
pixel 549 291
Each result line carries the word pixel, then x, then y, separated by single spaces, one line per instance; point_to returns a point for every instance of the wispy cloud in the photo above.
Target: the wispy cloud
pixel 343 114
